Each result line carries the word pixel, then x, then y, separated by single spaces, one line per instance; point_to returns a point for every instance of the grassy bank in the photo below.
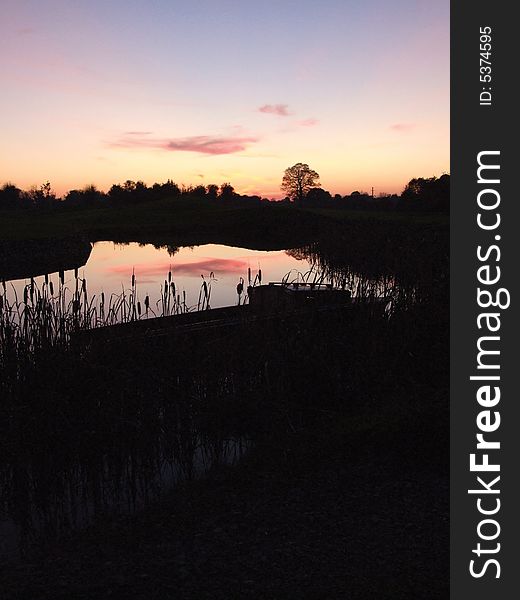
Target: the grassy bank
pixel 194 222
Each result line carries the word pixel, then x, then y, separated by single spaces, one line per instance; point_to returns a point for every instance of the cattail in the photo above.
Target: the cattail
pixel 139 308
pixel 133 278
pixel 25 295
pixel 172 287
pixel 51 288
pixel 76 273
pixel 259 275
pixel 169 276
pixel 62 277
pixel 46 279
pixel 147 302
pixel 84 286
pixel 249 275
pixel 102 298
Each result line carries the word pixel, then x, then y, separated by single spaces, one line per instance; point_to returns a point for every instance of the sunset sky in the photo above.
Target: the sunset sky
pixel 212 91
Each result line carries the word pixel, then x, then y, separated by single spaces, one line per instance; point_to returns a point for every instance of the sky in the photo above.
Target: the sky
pixel 212 91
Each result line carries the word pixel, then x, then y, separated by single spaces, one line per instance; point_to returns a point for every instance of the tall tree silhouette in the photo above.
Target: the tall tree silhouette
pixel 298 180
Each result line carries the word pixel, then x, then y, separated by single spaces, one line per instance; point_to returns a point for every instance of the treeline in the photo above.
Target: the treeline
pixel 420 194
pixel 130 192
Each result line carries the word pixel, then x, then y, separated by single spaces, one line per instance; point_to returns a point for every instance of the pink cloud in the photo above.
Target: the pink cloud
pixel 141 270
pixel 144 273
pixel 282 110
pixel 308 122
pixel 203 144
pixel 217 265
pixel 211 145
pixel 402 127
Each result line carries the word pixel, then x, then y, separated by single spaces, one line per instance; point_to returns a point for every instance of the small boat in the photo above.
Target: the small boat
pixel 280 295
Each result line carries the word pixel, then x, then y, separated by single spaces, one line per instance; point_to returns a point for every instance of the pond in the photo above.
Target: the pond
pixel 110 266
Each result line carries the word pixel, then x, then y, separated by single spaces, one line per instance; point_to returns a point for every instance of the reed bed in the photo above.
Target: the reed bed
pixel 82 434
pixel 45 315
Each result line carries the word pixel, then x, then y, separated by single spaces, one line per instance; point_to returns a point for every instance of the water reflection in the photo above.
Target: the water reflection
pixel 44 499
pixel 110 268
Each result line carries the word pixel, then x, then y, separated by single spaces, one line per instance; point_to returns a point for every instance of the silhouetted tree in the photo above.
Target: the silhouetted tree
pixel 212 191
pixel 42 197
pixel 317 197
pixel 427 193
pixel 10 196
pixel 227 191
pixel 130 191
pixel 88 197
pixel 165 190
pixel 198 192
pixel 298 180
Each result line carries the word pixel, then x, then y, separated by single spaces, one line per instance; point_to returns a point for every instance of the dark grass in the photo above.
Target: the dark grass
pixel 194 221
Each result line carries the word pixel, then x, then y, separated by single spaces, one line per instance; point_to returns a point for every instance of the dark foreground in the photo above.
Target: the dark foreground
pixel 344 495
pixel 331 521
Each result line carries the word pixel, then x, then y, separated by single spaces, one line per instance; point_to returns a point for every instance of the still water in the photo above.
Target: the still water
pixel 110 266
